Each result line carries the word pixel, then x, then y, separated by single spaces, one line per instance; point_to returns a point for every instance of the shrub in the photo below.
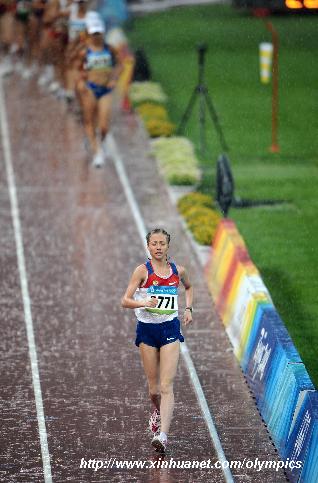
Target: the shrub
pixel 140 92
pixel 174 147
pixel 149 110
pixel 177 160
pixel 182 177
pixel 204 234
pixel 201 219
pixel 158 127
pixel 202 222
pixel 195 198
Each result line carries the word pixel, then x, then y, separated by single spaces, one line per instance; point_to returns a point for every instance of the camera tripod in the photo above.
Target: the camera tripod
pixel 201 91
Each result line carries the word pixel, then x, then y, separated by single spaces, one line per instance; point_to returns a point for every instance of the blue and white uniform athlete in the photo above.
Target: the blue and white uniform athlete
pixel 100 71
pixel 99 61
pixel 153 293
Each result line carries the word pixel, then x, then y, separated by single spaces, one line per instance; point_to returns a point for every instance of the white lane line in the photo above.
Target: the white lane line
pixel 24 287
pixel 119 165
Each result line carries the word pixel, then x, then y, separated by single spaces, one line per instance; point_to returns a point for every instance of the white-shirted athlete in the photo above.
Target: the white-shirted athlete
pixel 153 293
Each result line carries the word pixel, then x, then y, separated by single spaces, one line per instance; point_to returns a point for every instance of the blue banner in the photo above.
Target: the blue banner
pixel 275 373
pixel 302 442
pixel 310 470
pixel 291 389
pixel 270 351
pixel 250 345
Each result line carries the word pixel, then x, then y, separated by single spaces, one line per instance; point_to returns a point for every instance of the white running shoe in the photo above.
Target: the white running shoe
pixel 154 422
pixel 6 66
pixel 42 80
pixel 159 443
pixel 98 160
pixel 54 87
pixel 46 76
pixel 69 95
pixel 29 71
pixel 18 67
pixel 60 93
pixel 26 73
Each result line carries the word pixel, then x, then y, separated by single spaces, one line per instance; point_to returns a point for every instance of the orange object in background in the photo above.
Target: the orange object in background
pixel 294 4
pixel 298 4
pixel 311 3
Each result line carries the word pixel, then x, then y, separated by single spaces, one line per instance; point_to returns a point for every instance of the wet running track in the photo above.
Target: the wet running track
pixel 80 244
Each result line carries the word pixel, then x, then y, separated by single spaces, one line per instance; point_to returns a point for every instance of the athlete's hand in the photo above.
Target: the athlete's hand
pixel 111 84
pixel 187 318
pixel 152 302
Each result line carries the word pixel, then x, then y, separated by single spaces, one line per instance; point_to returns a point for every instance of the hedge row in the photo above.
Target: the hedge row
pixel 149 100
pixel 177 160
pixel 200 215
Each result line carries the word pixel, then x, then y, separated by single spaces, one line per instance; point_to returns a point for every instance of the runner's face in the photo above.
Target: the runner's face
pixel 158 246
pixel 97 38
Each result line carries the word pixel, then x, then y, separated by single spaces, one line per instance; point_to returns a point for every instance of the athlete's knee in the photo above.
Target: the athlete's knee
pixel 103 131
pixel 166 387
pixel 153 387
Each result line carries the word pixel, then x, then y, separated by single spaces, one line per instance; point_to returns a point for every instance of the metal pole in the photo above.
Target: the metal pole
pixel 274 147
pixel 201 87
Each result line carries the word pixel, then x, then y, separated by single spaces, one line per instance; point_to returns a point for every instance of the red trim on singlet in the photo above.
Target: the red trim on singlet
pixel 173 280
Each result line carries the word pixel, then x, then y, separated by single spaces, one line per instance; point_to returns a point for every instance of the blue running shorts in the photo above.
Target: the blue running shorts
pixel 99 91
pixel 157 335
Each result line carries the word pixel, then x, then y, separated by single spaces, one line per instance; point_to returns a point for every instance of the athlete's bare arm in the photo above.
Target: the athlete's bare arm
pixel 137 278
pixel 117 69
pixel 184 277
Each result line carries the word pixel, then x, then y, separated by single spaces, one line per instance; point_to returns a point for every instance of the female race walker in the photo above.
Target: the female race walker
pixel 100 72
pixel 153 293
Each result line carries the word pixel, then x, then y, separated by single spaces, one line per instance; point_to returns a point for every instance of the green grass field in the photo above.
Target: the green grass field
pixel 282 238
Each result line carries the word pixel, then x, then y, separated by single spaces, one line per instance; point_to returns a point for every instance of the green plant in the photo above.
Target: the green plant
pixel 202 222
pixel 177 160
pixel 181 177
pixel 150 110
pixel 204 234
pixel 159 127
pixel 140 92
pixel 201 219
pixel 195 198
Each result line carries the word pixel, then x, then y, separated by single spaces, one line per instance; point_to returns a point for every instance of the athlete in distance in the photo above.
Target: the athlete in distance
pixel 153 293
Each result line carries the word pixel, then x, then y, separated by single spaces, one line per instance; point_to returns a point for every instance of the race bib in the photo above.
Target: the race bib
pixel 167 299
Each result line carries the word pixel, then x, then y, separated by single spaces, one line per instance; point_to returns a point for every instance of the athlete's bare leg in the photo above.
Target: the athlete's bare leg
pixel 104 113
pixel 150 360
pixel 89 104
pixel 169 357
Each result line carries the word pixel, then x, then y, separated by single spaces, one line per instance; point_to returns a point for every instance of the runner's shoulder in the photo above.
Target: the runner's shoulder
pixel 181 270
pixel 141 271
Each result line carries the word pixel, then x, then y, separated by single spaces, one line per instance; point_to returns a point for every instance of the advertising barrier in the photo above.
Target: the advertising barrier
pixel 302 442
pixel 292 388
pixel 310 467
pixel 271 364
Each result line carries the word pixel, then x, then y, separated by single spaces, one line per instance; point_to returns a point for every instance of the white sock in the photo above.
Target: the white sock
pixel 163 436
